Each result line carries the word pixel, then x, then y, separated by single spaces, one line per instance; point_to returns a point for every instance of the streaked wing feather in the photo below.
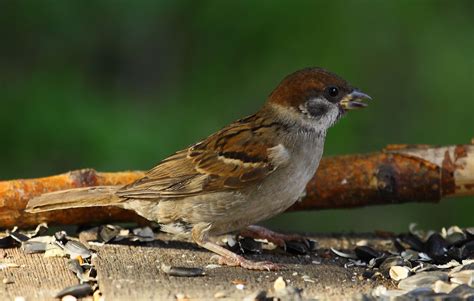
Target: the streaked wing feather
pixel 233 158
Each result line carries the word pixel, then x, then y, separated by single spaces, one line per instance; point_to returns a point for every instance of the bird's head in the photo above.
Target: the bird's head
pixel 315 97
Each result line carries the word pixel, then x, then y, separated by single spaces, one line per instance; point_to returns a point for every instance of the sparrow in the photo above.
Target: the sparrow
pixel 249 171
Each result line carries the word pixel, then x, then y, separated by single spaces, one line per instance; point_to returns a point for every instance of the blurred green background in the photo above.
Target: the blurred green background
pixel 117 85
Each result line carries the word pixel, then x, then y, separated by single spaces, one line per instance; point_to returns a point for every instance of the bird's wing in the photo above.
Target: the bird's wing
pixel 235 157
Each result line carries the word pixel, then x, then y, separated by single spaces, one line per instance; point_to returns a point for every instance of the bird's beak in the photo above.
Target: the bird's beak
pixel 354 100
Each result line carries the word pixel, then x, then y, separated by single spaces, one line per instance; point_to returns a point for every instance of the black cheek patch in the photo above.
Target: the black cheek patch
pixel 316 109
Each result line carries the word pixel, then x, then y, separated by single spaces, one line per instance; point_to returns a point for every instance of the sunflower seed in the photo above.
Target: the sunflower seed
pixel 393 261
pixel 7 242
pixel 420 293
pixel 463 277
pixel 75 248
pixel 451 264
pixel 249 245
pixel 423 279
pixel 398 273
pixel 80 290
pixel 279 284
pixel 75 266
pixel 16 235
pixel 297 247
pixel 443 287
pixel 436 248
pixel 366 253
pixel 31 247
pixel 343 255
pixel 413 241
pixel 463 291
pixel 409 255
pixel 182 271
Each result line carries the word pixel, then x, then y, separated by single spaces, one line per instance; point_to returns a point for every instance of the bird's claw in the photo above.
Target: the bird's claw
pixel 249 264
pixel 276 238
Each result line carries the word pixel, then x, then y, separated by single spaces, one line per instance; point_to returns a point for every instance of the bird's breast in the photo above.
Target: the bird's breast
pixel 285 186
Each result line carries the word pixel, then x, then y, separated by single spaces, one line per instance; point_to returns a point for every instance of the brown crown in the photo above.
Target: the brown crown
pixel 307 83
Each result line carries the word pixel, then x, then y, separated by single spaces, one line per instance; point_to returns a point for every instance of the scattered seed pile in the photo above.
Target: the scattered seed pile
pixel 80 257
pixel 426 266
pixel 59 245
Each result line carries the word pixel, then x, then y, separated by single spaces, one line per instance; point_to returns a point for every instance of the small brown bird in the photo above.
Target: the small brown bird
pixel 247 172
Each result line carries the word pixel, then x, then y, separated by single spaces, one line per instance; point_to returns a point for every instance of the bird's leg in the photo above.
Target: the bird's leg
pixel 227 257
pixel 278 239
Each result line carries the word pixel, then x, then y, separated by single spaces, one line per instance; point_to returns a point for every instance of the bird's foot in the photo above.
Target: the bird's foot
pixel 249 264
pixel 227 257
pixel 279 239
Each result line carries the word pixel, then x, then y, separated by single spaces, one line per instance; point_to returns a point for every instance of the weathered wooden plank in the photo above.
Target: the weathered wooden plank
pixel 36 278
pixel 133 273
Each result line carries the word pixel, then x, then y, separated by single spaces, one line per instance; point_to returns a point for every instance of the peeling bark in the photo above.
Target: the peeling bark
pixel 397 174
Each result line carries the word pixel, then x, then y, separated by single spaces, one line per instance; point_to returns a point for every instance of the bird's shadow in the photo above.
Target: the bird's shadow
pixel 278 256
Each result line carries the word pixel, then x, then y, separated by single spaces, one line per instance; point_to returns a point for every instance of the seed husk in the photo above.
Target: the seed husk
pixel 422 279
pixel 398 273
pixel 457 253
pixel 420 293
pixel 182 271
pixel 108 233
pixel 443 287
pixel 75 248
pixel 144 234
pixel 409 255
pixel 297 247
pixel 40 230
pixel 463 277
pixel 463 291
pixel 467 266
pixel 393 261
pixel 75 266
pixel 53 250
pixel 7 242
pixel 279 284
pixel 36 244
pixel 80 290
pixel 249 245
pixel 436 248
pixel 16 235
pixel 31 247
pixel 61 236
pixel 343 254
pixel 413 241
pixel 366 253
pixel 469 231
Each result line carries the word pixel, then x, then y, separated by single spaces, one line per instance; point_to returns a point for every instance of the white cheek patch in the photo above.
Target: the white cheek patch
pixel 322 113
pixel 301 116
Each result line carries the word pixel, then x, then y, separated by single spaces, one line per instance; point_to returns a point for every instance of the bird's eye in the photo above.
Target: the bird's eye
pixel 333 91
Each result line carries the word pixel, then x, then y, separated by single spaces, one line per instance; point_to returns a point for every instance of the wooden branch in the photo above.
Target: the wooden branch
pixel 397 174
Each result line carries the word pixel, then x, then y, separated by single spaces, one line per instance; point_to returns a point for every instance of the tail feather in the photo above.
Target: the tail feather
pixel 74 198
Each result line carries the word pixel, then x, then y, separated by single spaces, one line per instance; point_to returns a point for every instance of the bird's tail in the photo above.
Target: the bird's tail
pixel 75 198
